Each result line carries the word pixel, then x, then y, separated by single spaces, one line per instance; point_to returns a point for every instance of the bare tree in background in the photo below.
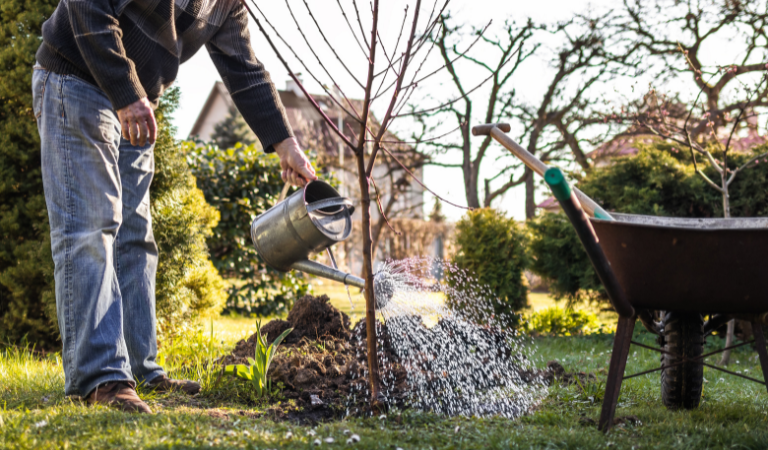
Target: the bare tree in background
pixel 394 69
pixel 510 51
pixel 589 55
pixel 675 35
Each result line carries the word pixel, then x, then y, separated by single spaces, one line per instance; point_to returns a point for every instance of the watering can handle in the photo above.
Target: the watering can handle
pixel 336 201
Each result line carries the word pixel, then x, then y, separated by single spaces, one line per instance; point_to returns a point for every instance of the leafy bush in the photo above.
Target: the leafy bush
pixel 556 321
pixel 243 182
pixel 557 255
pixel 653 182
pixel 188 286
pixel 656 181
pixel 491 248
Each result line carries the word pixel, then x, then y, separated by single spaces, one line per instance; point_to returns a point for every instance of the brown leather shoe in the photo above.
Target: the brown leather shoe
pixel 165 384
pixel 120 395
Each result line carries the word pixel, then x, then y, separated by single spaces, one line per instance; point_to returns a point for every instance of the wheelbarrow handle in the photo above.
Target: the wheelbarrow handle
pixel 556 180
pixel 497 130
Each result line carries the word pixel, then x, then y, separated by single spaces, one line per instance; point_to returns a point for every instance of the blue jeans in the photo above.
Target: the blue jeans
pixel 97 193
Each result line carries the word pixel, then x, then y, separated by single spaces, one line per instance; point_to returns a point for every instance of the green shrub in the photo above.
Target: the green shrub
pixel 656 181
pixel 557 255
pixel 188 286
pixel 556 321
pixel 652 182
pixel 491 248
pixel 27 301
pixel 243 182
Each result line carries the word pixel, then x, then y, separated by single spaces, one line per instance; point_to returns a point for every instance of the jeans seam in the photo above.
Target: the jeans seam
pixel 68 271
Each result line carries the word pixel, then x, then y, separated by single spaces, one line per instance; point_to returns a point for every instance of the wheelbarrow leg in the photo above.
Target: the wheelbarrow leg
pixel 619 356
pixel 757 330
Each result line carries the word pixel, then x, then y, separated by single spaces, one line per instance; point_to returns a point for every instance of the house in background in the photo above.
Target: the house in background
pixel 400 195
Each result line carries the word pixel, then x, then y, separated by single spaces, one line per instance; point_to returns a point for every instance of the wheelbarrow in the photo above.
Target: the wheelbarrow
pixel 669 273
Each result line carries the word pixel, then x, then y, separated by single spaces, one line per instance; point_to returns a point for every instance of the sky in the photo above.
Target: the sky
pixel 197 76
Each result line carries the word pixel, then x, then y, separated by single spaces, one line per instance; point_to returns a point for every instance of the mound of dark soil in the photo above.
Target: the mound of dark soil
pixel 322 364
pixel 313 318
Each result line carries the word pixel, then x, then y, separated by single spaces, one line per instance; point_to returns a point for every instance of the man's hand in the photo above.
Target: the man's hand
pixel 138 122
pixel 297 169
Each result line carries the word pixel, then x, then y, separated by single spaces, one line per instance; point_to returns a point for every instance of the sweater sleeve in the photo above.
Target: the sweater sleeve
pixel 246 80
pixel 99 37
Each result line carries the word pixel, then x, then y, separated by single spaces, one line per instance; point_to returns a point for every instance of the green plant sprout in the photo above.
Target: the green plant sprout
pixel 256 373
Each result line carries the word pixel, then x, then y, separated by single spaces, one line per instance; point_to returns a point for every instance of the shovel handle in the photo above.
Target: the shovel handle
pixel 498 130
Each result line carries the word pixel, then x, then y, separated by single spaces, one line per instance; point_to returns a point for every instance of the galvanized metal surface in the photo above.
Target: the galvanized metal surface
pixel 292 230
pixel 323 271
pixel 697 265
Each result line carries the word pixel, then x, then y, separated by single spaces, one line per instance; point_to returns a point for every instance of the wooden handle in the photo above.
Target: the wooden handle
pixel 485 129
pixel 535 164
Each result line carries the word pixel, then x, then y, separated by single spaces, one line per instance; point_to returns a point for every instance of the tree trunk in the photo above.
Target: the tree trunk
pixel 470 172
pixel 370 305
pixel 726 358
pixel 530 200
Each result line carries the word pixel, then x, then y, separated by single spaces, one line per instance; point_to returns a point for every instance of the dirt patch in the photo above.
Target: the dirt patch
pixel 313 318
pixel 322 364
pixel 555 371
pixel 319 364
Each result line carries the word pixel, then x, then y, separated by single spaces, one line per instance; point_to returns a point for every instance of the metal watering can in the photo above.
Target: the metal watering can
pixel 311 220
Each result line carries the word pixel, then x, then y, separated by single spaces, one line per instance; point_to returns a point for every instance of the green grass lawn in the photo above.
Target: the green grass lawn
pixel 35 414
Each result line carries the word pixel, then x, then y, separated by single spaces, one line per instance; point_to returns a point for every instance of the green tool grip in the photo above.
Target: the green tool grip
pixel 601 214
pixel 556 181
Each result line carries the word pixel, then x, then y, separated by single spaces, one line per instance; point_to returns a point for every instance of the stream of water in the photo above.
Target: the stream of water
pixel 459 357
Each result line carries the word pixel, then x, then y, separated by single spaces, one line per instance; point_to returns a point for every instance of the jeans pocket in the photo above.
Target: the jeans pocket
pixel 39 77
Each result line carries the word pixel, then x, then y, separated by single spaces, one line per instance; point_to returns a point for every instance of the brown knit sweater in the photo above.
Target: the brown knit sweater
pixel 133 48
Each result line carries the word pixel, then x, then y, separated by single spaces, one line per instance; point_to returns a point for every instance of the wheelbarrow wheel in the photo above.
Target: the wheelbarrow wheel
pixel 683 338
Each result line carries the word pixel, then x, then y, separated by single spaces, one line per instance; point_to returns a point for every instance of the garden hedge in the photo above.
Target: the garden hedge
pixel 490 248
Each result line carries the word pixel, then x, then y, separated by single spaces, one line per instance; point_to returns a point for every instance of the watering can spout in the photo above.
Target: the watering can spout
pixel 383 287
pixel 323 271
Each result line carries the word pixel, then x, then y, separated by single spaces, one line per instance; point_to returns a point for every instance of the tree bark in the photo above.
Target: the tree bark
pixel 370 304
pixel 726 358
pixel 530 200
pixel 467 166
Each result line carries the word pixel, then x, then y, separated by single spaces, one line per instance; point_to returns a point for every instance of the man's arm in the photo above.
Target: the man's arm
pixel 247 81
pixel 99 38
pixel 255 95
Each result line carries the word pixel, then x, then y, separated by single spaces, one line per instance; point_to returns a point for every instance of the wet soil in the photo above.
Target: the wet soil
pixel 322 363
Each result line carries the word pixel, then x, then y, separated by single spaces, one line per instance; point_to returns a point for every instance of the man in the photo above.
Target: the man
pixel 101 68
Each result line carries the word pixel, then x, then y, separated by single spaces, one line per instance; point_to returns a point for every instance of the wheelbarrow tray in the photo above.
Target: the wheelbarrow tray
pixel 694 265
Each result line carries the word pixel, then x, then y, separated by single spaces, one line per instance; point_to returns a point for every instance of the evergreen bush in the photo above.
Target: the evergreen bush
pixel 233 130
pixel 491 249
pixel 557 255
pixel 243 182
pixel 189 287
pixel 27 301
